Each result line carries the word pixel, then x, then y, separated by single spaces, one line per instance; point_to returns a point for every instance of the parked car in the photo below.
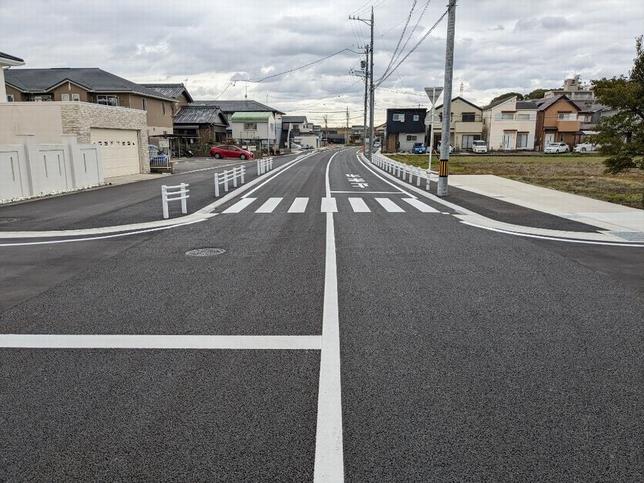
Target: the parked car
pixel 479 146
pixel 556 148
pixel 586 148
pixel 225 151
pixel 419 148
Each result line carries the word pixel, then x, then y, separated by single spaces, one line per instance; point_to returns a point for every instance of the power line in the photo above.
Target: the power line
pixel 272 76
pixel 402 34
pixel 413 29
pixel 422 39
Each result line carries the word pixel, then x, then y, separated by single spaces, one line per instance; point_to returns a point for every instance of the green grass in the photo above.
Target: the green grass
pixel 580 174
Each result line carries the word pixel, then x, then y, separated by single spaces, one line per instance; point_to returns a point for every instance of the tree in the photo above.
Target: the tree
pixel 505 96
pixel 621 136
pixel 537 94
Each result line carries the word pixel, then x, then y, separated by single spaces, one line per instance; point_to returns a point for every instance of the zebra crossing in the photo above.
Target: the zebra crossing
pixel 330 205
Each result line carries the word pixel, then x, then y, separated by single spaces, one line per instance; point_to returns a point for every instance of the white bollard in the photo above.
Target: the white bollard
pixel 184 203
pixel 216 185
pixel 417 176
pixel 164 201
pixel 226 181
pixel 243 172
pixel 234 177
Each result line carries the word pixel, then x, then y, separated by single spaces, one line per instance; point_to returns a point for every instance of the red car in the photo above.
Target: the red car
pixel 230 152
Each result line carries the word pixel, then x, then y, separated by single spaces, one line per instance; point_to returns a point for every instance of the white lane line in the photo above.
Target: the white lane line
pixel 386 181
pixel 103 237
pixel 328 205
pixel 420 206
pixel 368 192
pixel 359 206
pixel 299 205
pixel 269 205
pixel 389 205
pixel 271 178
pixel 329 459
pixel 240 205
pixel 136 341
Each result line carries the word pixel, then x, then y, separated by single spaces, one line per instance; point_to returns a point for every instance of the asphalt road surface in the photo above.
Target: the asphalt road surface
pixel 349 330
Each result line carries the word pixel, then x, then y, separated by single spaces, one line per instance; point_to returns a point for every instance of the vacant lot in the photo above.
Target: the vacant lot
pixel 579 174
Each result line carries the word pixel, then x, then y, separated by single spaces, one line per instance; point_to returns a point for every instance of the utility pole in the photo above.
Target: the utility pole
pixel 326 131
pixel 433 93
pixel 365 67
pixel 370 23
pixel 447 101
pixel 347 138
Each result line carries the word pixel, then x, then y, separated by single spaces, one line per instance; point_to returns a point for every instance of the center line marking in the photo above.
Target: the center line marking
pixel 329 459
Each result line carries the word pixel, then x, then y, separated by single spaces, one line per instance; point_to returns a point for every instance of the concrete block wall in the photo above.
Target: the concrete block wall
pixel 79 117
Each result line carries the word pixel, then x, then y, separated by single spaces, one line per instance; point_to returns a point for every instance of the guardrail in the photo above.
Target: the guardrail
pixel 229 176
pixel 264 165
pixel 398 169
pixel 175 193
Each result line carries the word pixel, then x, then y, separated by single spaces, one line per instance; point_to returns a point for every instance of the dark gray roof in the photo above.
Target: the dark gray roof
pixel 293 119
pixel 93 79
pixel 551 100
pixel 10 57
pixel 526 105
pixel 192 114
pixel 170 90
pixel 244 105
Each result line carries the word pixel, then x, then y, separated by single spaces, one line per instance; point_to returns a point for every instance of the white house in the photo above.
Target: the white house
pixel 254 128
pixel 511 125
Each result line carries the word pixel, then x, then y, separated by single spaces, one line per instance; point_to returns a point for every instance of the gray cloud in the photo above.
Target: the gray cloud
pixel 501 45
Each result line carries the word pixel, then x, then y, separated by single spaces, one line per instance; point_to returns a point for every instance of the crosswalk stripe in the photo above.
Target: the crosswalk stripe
pixel 269 205
pixel 420 206
pixel 299 205
pixel 358 205
pixel 329 205
pixel 389 205
pixel 240 205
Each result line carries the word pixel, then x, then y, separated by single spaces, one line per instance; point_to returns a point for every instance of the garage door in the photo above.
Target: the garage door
pixel 119 151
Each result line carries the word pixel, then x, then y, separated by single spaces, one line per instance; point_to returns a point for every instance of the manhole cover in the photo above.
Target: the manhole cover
pixel 205 252
pixel 6 221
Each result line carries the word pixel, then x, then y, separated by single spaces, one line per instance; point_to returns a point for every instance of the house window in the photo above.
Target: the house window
pixel 398 118
pixel 507 116
pixel 107 100
pixel 44 98
pixel 64 97
pixel 416 117
pixel 566 116
pixel 467 140
pixel 522 140
pixel 144 103
pixel 163 108
pixel 523 116
pixel 76 97
pixel 10 98
pixel 468 117
pixel 411 138
pixel 250 126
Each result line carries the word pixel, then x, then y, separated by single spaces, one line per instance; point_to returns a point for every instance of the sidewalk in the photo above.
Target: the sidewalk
pixel 601 214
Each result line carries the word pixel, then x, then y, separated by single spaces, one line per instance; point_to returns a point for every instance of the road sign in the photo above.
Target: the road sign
pixel 433 93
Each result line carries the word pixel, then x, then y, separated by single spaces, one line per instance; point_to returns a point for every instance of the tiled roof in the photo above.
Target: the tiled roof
pixel 244 105
pixel 200 115
pixel 93 79
pixel 170 90
pixel 526 105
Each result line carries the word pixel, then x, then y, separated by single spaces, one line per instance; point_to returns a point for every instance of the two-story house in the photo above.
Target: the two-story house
pixel 510 125
pixel 404 128
pixel 466 124
pixel 92 85
pixel 177 92
pixel 557 121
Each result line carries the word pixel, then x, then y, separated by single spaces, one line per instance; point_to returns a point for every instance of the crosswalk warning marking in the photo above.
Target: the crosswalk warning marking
pixel 329 205
pixel 389 205
pixel 420 206
pixel 269 205
pixel 299 205
pixel 358 205
pixel 240 205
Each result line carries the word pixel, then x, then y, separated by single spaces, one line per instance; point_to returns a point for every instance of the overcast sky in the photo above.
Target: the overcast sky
pixel 501 45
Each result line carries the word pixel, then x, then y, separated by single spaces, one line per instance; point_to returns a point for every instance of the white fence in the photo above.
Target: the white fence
pixel 175 193
pixel 400 170
pixel 264 165
pixel 30 170
pixel 229 177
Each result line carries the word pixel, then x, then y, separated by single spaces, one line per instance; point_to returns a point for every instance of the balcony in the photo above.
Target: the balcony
pixel 568 126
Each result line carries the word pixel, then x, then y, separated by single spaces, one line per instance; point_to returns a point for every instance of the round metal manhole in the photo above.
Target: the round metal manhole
pixel 6 221
pixel 205 252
